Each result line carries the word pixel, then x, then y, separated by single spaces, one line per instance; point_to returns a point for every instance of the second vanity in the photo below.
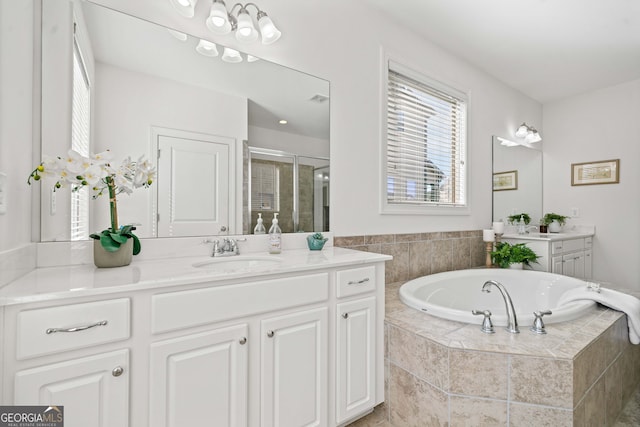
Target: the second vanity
pixel 283 340
pixel 569 254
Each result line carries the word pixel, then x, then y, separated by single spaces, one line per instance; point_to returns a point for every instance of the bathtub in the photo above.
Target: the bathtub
pixel 452 295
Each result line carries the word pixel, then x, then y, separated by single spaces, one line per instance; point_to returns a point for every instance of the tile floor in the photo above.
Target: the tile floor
pixel 630 416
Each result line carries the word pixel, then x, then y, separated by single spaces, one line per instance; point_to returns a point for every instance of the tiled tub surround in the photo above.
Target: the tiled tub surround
pixel 419 254
pixel 443 372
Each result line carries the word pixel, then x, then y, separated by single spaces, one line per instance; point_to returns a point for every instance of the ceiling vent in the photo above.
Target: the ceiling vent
pixel 319 98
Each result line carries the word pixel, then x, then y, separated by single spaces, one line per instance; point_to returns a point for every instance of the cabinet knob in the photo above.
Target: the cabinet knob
pixel 243 340
pixel 117 371
pixel 270 334
pixel 345 315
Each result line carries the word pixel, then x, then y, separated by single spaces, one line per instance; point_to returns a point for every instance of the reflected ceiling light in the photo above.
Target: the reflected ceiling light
pixel 283 122
pixel 529 133
pixel 239 20
pixel 185 8
pixel 231 55
pixel 207 48
pixel 506 142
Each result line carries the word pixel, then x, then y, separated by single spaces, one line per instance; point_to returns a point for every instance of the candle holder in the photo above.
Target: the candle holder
pixel 489 248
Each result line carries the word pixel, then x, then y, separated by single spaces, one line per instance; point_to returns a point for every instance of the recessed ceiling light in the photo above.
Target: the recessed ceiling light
pixel 283 122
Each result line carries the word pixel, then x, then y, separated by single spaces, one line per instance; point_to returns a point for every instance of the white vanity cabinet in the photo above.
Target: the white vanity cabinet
pixel 50 360
pixel 565 254
pixel 285 349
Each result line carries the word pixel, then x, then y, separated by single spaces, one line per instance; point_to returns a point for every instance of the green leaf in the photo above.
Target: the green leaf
pixel 108 243
pixel 119 238
pixel 136 244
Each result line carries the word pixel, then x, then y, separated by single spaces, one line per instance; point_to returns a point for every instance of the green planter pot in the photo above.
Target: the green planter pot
pixel 315 244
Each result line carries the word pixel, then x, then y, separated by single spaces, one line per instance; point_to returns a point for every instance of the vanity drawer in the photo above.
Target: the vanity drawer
pixel 355 281
pixel 588 242
pixel 183 309
pixel 561 246
pixel 54 329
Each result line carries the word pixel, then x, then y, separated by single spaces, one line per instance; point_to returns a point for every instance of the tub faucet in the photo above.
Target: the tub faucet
pixel 511 312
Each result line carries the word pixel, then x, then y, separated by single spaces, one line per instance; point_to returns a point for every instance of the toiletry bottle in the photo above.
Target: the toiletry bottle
pixel 521 225
pixel 275 236
pixel 259 229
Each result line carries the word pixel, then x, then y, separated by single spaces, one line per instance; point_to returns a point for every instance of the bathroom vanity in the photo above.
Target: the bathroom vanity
pixel 286 340
pixel 569 254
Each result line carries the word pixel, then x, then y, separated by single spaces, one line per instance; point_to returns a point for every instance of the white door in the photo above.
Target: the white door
pixel 93 390
pixel 356 360
pixel 200 379
pixel 294 370
pixel 194 180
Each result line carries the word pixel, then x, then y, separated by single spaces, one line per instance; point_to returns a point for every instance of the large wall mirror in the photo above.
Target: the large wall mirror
pixel 517 180
pixel 144 89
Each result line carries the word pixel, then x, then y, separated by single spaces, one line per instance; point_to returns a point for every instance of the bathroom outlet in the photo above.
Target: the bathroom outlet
pixel 575 212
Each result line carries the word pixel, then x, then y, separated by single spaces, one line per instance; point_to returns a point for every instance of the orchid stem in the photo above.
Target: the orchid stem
pixel 112 204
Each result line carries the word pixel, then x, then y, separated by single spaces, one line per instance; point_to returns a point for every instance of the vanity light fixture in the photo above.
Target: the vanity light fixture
pixel 231 55
pixel 529 133
pixel 283 122
pixel 207 48
pixel 185 8
pixel 178 35
pixel 222 22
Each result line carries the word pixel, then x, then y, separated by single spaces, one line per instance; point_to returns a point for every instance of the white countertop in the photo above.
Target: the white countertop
pixel 547 236
pixel 52 283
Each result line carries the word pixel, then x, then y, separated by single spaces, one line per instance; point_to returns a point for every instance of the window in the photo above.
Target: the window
pixel 426 143
pixel 80 139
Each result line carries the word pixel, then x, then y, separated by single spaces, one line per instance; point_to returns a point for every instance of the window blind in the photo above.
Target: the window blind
pixel 426 143
pixel 265 182
pixel 80 140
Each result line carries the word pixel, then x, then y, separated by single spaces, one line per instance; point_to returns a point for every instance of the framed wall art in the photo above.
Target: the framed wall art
pixel 600 172
pixel 505 180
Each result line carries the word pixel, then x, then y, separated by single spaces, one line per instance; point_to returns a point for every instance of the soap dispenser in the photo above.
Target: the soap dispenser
pixel 521 225
pixel 259 229
pixel 275 236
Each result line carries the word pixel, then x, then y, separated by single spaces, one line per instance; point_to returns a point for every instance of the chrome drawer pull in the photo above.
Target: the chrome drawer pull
pixel 270 334
pixel 358 282
pixel 77 328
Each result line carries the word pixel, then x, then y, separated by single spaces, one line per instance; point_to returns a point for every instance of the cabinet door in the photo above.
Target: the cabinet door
pixel 200 379
pixel 588 265
pixel 356 359
pixel 93 390
pixel 569 265
pixel 557 265
pixel 578 261
pixel 294 369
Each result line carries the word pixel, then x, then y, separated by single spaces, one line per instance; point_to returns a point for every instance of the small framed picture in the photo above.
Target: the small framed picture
pixel 505 180
pixel 601 172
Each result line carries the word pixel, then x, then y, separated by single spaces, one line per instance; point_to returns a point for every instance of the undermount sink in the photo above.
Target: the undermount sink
pixel 239 263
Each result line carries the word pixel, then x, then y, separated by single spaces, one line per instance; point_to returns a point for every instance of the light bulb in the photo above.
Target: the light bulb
pixel 246 32
pixel 522 131
pixel 270 34
pixel 185 8
pixel 231 55
pixel 218 20
pixel 207 48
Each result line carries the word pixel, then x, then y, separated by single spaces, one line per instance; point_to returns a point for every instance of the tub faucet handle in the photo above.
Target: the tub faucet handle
pixel 538 325
pixel 487 325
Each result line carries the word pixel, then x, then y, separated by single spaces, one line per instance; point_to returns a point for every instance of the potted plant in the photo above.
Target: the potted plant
pixel 316 241
pixel 553 221
pixel 515 218
pixel 517 255
pixel 78 171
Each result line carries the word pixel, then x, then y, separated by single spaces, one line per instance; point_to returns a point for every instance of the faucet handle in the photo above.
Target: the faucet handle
pixel 487 325
pixel 538 324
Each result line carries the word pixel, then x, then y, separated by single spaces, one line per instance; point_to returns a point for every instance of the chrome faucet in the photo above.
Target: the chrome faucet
pixel 511 312
pixel 228 247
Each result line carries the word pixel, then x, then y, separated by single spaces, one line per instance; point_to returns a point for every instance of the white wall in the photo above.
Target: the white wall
pixel 16 120
pixel 320 39
pixel 132 103
pixel 290 142
pixel 600 125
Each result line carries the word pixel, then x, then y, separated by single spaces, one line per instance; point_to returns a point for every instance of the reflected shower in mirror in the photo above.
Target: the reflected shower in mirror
pixel 297 187
pixel 517 171
pixel 148 89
